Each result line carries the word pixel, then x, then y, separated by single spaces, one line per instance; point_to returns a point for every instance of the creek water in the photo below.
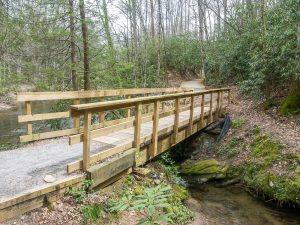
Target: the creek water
pixel 232 205
pixel 10 129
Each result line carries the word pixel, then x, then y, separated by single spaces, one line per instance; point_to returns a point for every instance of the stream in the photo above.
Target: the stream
pixel 10 129
pixel 232 205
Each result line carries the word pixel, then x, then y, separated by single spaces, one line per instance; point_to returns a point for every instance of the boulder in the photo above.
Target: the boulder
pixel 206 169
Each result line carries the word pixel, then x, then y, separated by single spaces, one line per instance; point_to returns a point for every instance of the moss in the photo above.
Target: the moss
pixel 210 169
pixel 291 104
pixel 284 187
pixel 234 171
pixel 232 148
pixel 180 192
pixel 238 123
pixel 263 146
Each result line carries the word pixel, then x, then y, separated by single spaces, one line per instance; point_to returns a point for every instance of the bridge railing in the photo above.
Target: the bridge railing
pixel 76 97
pixel 88 109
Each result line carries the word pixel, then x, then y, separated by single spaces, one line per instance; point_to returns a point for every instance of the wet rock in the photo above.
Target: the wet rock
pixel 206 169
pixel 49 179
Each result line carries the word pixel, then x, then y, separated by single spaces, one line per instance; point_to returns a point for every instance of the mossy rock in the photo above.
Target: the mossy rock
pixel 180 192
pixel 209 169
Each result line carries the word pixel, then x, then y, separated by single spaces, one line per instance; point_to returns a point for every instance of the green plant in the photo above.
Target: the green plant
pixel 77 194
pixel 92 212
pixel 80 193
pixel 170 168
pixel 87 185
pixel 151 204
pixel 238 123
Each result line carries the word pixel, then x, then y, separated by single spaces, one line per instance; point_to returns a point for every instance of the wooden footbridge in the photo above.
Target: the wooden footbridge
pixel 118 130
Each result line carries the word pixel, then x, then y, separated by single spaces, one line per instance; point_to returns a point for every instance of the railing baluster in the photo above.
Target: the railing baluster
pixel 163 103
pixel 101 115
pixel 76 119
pixel 218 105
pixel 86 140
pixel 192 115
pixel 211 108
pixel 221 103
pixel 176 120
pixel 155 129
pixel 137 127
pixel 202 110
pixel 128 111
pixel 28 107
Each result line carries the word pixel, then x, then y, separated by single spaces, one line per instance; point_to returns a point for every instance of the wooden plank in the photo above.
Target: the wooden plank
pixel 77 165
pixel 191 115
pixel 86 140
pixel 28 108
pixel 46 135
pixel 76 119
pixel 41 190
pixel 114 179
pixel 153 151
pixel 137 127
pixel 102 114
pixel 102 172
pixel 35 198
pixel 43 116
pixel 176 119
pixel 40 96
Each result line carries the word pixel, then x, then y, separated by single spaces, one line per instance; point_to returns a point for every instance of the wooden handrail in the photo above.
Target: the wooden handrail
pixel 75 96
pixel 88 109
pixel 43 96
pixel 126 103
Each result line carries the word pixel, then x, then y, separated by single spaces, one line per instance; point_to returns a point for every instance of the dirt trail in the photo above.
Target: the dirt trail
pixel 286 130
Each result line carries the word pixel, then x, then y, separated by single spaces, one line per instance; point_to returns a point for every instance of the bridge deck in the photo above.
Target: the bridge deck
pixel 24 169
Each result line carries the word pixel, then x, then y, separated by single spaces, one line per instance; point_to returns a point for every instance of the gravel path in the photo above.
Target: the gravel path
pixel 25 168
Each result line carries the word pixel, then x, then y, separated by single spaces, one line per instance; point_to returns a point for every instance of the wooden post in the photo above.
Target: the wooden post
pixel 128 110
pixel 191 115
pixel 211 108
pixel 137 127
pixel 202 111
pixel 76 120
pixel 86 140
pixel 163 103
pixel 28 108
pixel 101 115
pixel 155 129
pixel 176 120
pixel 221 103
pixel 147 106
pixel 218 105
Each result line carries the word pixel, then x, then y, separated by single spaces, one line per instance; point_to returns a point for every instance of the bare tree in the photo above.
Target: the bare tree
pixel 86 60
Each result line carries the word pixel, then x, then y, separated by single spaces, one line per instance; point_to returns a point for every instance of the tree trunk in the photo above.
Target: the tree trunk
pixel 73 46
pixel 86 60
